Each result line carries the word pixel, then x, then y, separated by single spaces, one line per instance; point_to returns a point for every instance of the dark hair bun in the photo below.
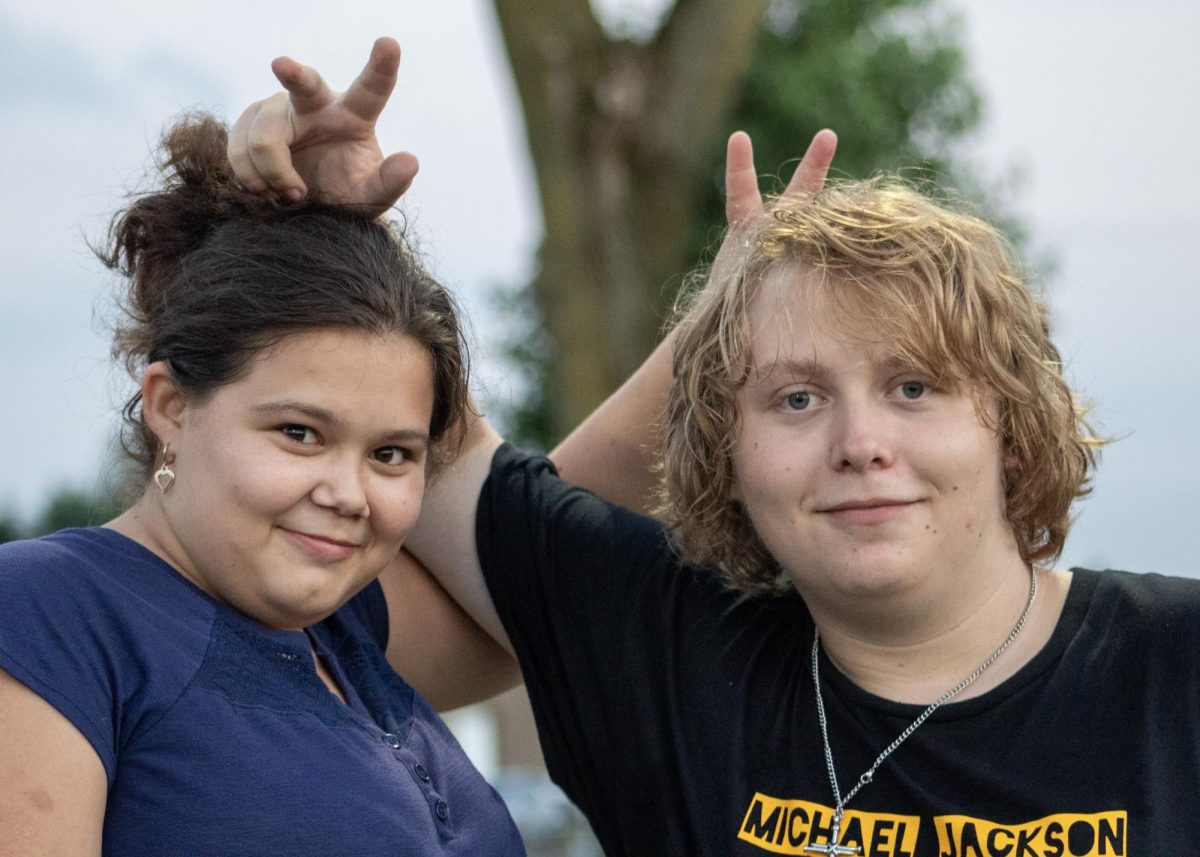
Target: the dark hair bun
pixel 150 239
pixel 215 273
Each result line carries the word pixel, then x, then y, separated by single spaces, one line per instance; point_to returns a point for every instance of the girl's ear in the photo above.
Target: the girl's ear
pixel 163 403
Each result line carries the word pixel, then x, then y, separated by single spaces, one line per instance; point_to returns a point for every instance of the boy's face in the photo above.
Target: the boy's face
pixel 863 476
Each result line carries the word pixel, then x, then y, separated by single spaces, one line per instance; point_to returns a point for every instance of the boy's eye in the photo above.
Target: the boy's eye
pixel 798 400
pixel 912 389
pixel 300 434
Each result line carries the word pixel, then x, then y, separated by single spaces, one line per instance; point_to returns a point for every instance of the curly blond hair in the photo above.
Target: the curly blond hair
pixel 944 289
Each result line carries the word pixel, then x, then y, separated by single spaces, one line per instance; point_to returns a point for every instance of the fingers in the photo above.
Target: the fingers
pixel 259 144
pixel 259 148
pixel 814 167
pixel 334 131
pixel 369 93
pixel 742 198
pixel 309 91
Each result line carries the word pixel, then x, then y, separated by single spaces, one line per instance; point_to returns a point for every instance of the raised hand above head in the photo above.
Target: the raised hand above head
pixel 312 139
pixel 742 196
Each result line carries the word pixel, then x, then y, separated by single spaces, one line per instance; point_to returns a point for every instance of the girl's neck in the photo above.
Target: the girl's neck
pixel 145 523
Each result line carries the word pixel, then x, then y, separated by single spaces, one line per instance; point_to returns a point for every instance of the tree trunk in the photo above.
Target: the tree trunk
pixel 619 134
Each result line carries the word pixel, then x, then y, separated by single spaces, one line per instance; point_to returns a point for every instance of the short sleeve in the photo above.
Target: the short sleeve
pixel 605 622
pixel 74 633
pixel 564 568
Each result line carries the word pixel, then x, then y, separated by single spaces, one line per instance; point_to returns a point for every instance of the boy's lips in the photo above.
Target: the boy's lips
pixel 868 511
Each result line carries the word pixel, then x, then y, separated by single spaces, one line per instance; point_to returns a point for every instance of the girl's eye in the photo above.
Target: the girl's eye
pixel 798 401
pixel 300 434
pixel 912 390
pixel 391 455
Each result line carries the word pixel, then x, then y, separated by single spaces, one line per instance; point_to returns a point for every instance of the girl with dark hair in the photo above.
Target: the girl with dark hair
pixel 212 671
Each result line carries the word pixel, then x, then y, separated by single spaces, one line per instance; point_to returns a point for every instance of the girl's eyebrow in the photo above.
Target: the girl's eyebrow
pixel 315 413
pixel 326 417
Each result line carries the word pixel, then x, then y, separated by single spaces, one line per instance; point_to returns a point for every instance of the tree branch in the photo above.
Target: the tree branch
pixel 556 53
pixel 701 55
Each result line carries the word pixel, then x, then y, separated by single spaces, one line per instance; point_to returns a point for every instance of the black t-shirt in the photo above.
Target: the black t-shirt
pixel 680 715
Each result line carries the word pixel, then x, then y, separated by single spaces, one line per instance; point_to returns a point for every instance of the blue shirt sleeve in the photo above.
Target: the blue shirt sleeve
pixel 73 630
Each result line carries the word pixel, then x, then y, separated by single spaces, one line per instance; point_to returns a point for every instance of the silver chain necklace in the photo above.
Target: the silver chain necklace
pixel 832 847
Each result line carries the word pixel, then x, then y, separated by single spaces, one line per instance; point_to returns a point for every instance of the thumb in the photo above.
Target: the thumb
pixel 396 173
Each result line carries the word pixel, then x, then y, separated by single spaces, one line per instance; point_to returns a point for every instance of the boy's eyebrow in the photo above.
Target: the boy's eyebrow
pixel 327 417
pixel 898 364
pixel 805 369
pixel 895 363
pixel 808 369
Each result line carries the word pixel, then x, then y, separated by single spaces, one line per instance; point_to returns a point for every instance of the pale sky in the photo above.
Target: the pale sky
pixel 1094 104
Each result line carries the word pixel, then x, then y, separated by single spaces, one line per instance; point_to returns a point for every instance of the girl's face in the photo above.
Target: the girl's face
pixel 863 476
pixel 296 484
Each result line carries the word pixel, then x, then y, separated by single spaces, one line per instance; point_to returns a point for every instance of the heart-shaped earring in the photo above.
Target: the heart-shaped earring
pixel 165 476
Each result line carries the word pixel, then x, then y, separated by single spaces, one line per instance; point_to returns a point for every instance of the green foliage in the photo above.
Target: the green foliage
pixel 65 507
pixel 10 527
pixel 72 507
pixel 527 349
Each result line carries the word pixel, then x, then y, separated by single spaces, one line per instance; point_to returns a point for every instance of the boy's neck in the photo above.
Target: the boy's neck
pixel 915 649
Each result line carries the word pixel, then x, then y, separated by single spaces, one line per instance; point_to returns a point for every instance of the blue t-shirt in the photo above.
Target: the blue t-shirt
pixel 217 735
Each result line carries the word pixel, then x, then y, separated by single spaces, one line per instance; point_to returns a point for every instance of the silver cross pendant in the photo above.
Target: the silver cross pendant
pixel 831 848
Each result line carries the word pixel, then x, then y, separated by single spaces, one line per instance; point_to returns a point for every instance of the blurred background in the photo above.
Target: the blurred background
pixel 571 163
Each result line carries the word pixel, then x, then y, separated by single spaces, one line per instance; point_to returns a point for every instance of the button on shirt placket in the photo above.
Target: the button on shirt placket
pixel 441 809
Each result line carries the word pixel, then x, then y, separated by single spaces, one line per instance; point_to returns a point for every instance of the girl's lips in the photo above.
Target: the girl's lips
pixel 322 547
